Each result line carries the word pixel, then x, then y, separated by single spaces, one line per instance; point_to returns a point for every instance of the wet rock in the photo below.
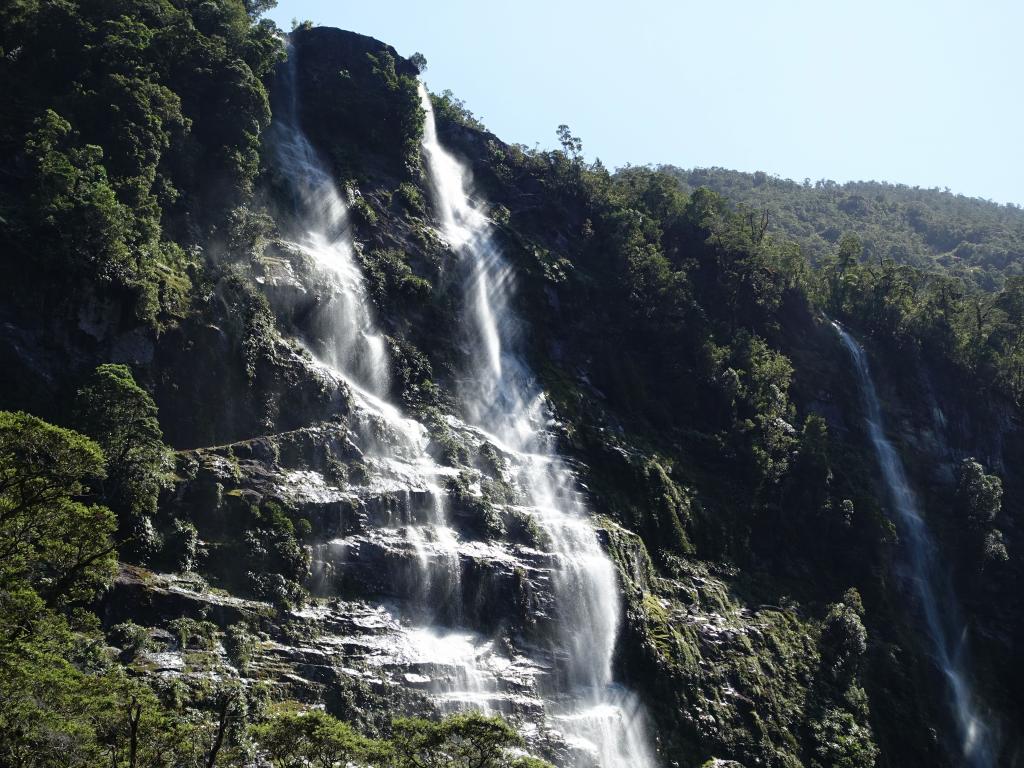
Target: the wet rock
pixel 152 599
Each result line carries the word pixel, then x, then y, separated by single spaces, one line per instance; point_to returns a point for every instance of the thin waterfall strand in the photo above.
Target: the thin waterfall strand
pixel 944 629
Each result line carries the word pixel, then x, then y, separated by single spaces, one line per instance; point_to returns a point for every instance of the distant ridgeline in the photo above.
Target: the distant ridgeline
pixel 976 239
pixel 331 434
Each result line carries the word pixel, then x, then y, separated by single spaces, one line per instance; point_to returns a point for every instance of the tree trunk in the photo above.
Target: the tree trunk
pixel 222 727
pixel 134 716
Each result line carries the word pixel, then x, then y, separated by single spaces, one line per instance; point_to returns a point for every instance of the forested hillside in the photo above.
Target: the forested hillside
pixel 336 431
pixel 975 239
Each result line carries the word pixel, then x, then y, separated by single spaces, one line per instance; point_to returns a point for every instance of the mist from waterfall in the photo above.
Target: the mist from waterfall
pixel 945 630
pixel 500 395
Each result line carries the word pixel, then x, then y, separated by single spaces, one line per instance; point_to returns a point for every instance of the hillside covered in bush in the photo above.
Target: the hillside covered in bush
pixel 977 240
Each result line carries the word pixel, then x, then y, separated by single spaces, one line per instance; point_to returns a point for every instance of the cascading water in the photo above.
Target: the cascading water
pixel 342 335
pixel 499 395
pixel 945 631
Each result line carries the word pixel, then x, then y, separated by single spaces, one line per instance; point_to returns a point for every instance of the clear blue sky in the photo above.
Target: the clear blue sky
pixel 927 93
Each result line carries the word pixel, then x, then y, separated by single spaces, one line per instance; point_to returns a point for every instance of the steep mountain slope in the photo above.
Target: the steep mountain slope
pixel 349 525
pixel 978 240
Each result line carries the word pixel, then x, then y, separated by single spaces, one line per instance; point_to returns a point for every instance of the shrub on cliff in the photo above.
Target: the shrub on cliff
pixel 979 499
pixel 132 127
pixel 122 417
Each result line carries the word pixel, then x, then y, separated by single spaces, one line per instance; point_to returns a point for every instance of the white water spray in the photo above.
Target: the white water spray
pixel 600 720
pixel 344 338
pixel 344 333
pixel 932 592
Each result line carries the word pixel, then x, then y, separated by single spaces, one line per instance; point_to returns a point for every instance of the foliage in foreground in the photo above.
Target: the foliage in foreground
pixel 292 738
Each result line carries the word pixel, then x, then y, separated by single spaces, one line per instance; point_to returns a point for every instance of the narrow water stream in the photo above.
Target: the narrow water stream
pixel 942 624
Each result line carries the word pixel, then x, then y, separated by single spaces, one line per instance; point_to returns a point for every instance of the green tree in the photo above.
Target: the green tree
pixel 468 740
pixel 83 226
pixel 842 742
pixel 122 417
pixel 49 538
pixel 979 497
pixel 240 645
pixel 844 639
pixel 764 408
pixel 419 61
pixel 571 145
pixel 256 8
pixel 61 704
pixel 296 739
pixel 839 269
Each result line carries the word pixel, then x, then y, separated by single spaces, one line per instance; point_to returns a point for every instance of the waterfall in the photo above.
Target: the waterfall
pixel 945 631
pixel 343 329
pixel 600 720
pixel 342 335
